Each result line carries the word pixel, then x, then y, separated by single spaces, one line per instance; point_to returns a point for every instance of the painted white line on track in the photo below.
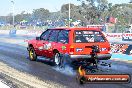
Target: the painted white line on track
pixel 2 85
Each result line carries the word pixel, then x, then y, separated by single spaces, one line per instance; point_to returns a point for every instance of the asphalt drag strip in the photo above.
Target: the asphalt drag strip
pixel 24 80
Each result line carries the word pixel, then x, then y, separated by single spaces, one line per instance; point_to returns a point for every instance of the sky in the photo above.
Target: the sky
pixel 6 6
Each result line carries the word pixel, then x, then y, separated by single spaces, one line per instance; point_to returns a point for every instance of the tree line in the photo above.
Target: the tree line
pixel 89 12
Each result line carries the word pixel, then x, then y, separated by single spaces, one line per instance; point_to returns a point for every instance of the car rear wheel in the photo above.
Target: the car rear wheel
pixel 58 61
pixel 32 54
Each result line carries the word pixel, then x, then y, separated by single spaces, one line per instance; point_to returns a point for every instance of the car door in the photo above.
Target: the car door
pixel 52 42
pixel 41 44
pixel 63 41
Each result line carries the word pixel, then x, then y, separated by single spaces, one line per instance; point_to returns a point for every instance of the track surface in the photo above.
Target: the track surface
pixel 16 56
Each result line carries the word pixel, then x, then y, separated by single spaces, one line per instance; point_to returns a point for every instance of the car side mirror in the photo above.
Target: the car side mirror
pixel 37 38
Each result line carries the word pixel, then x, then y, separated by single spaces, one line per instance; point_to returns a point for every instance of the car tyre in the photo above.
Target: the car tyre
pixel 32 54
pixel 58 60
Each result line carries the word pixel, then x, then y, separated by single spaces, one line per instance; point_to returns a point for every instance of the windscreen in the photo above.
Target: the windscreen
pixel 86 36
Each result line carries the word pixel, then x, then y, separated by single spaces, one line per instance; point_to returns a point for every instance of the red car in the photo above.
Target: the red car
pixel 73 44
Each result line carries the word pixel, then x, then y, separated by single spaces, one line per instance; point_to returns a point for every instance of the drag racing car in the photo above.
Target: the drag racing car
pixel 62 45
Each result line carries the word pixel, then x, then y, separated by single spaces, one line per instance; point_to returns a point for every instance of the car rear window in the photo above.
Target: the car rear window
pixel 85 36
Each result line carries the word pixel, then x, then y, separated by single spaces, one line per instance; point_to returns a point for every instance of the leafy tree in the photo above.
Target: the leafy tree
pixel 9 18
pixel 41 14
pixel 23 16
pixel 92 10
pixel 76 12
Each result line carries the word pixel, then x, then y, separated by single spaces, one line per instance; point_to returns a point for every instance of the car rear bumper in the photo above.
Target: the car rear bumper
pixel 71 58
pixel 87 57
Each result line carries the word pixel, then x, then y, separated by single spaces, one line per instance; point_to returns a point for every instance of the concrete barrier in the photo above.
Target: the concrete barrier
pixel 5 32
pixel 22 32
pixel 110 36
pixel 29 32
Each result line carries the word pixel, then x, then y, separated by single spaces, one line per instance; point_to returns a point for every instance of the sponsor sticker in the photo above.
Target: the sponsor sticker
pixel 63 47
pixel 107 78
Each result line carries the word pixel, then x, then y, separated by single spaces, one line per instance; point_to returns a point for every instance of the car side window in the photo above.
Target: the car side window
pixel 45 35
pixel 63 36
pixel 53 36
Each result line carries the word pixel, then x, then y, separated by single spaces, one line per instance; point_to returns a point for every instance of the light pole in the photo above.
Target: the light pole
pixel 69 14
pixel 13 18
pixel 69 22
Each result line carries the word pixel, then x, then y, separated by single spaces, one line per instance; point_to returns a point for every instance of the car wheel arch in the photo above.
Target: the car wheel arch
pixel 30 45
pixel 55 51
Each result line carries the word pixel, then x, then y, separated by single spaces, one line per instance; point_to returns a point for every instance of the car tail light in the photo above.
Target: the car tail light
pixel 109 48
pixel 71 50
